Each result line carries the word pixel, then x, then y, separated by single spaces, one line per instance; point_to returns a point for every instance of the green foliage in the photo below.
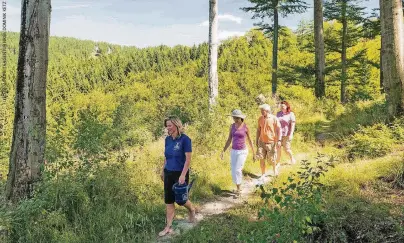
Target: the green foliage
pixel 359 220
pixel 266 9
pixel 75 206
pixel 105 113
pixel 359 114
pixel 397 129
pixel 294 211
pixel 374 141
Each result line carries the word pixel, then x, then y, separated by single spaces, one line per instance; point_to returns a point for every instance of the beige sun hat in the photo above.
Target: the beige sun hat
pixel 238 113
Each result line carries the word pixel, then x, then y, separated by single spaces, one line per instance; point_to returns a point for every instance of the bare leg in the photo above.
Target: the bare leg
pixel 170 212
pixel 274 167
pixel 262 161
pixel 278 155
pixel 290 154
pixel 191 211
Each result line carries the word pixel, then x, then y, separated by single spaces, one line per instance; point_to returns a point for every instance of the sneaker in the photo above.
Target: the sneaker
pixel 277 168
pixel 260 181
pixel 237 194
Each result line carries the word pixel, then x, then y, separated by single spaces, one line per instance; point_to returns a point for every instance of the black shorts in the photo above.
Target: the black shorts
pixel 170 178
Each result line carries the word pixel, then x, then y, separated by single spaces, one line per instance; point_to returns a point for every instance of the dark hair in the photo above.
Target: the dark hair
pixel 239 117
pixel 288 109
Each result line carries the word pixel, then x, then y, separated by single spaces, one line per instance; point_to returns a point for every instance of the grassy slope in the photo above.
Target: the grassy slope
pixel 363 202
pixel 360 206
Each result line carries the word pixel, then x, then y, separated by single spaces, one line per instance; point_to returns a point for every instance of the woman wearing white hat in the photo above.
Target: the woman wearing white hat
pixel 238 155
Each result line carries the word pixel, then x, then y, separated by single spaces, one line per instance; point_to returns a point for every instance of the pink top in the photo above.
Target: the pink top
pixel 286 120
pixel 238 137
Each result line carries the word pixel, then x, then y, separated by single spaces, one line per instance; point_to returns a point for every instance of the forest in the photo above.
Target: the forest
pixel 105 107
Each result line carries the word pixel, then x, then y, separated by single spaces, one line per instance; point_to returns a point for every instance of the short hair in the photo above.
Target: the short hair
pixel 265 107
pixel 177 123
pixel 242 119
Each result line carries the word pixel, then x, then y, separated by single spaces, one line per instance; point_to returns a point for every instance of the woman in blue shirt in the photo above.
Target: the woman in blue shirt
pixel 177 159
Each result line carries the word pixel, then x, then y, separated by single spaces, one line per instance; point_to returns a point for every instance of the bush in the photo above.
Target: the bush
pixel 330 108
pixel 359 114
pixel 370 142
pixel 78 206
pixel 294 211
pixel 297 93
pixel 397 129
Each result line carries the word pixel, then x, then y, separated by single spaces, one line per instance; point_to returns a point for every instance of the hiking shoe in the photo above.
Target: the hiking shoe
pixel 277 168
pixel 260 181
pixel 237 194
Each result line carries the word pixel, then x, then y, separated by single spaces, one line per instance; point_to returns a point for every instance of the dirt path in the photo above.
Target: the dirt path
pixel 221 205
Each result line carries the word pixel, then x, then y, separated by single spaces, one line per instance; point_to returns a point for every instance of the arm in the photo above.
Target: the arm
pixel 188 151
pixel 186 167
pixel 292 126
pixel 228 142
pixel 279 131
pixel 162 170
pixel 250 142
pixel 258 134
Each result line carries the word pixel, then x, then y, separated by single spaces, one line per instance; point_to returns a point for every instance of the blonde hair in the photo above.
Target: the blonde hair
pixel 176 122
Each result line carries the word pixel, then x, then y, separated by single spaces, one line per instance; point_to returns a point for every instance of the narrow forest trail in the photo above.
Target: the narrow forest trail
pixel 222 204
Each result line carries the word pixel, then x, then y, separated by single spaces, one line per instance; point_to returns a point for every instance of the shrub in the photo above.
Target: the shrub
pixel 397 129
pixel 359 114
pixel 370 142
pixel 79 206
pixel 294 211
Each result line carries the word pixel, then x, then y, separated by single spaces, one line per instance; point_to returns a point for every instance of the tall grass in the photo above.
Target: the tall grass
pixel 118 196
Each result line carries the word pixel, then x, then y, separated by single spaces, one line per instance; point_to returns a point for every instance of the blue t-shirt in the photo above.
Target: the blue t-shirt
pixel 175 150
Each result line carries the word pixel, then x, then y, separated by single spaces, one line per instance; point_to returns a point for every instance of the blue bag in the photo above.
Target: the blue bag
pixel 182 192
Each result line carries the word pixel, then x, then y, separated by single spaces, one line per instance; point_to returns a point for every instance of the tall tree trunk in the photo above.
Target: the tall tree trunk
pixel 381 72
pixel 213 45
pixel 275 51
pixel 28 144
pixel 391 16
pixel 319 46
pixel 343 53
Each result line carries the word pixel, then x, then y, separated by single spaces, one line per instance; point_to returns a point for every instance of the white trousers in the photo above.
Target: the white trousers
pixel 237 160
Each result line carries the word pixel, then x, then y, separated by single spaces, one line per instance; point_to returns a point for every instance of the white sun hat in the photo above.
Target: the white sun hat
pixel 238 113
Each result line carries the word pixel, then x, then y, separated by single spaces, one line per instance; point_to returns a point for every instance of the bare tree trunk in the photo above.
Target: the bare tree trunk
pixel 391 16
pixel 28 144
pixel 343 53
pixel 319 46
pixel 275 51
pixel 381 72
pixel 213 45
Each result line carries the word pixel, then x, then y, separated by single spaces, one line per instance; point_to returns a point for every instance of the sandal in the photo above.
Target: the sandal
pixel 166 231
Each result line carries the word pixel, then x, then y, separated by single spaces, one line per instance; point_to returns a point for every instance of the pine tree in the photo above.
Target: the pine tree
pixel 345 12
pixel 319 49
pixel 269 10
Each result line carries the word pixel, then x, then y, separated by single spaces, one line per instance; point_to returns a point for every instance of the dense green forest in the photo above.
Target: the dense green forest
pixel 127 92
pixel 104 130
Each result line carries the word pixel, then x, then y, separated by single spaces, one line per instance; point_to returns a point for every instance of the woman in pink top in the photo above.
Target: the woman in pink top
pixel 288 121
pixel 238 155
